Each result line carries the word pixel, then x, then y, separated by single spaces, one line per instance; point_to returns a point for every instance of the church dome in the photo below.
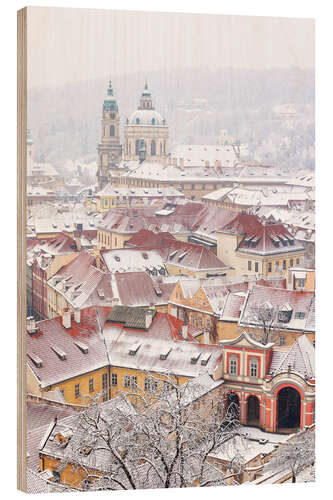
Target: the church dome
pixel 146 117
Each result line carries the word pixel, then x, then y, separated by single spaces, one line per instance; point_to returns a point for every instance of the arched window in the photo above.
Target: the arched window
pixel 153 148
pixel 111 130
pixel 137 147
pixel 137 121
pixel 153 121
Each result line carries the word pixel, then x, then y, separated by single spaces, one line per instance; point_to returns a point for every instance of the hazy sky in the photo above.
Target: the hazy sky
pixel 66 45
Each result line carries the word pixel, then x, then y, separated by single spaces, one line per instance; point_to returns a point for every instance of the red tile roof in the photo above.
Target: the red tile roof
pixel 164 331
pixel 301 303
pixel 146 238
pixel 51 334
pixel 263 238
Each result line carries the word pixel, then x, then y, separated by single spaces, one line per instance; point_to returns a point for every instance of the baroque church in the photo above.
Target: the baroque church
pixel 145 136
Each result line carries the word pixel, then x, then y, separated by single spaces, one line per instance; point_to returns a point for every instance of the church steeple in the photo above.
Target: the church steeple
pixel 109 149
pixel 110 103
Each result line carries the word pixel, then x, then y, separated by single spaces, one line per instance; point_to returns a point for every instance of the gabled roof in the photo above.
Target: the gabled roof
pixel 300 359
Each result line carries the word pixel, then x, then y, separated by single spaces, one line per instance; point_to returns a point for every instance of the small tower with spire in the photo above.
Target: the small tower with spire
pixel 146 101
pixel 109 149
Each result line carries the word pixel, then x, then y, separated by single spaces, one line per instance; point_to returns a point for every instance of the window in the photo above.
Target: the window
pixel 153 148
pixel 269 268
pixel 256 267
pixel 233 365
pixel 104 380
pixel 114 379
pixel 134 381
pixel 314 343
pixel 277 263
pixel 91 385
pixel 297 261
pixel 284 265
pixel 62 392
pixel 127 381
pixel 253 367
pixel 193 186
pixel 291 262
pixel 77 390
pixel 153 121
pixel 208 323
pixel 249 265
pixel 137 147
pixel 301 282
pixel 282 341
pixel 203 186
pixel 199 321
pixel 111 130
pixel 56 476
pixel 137 121
pixel 192 319
pixel 299 315
pixel 150 385
pixel 181 313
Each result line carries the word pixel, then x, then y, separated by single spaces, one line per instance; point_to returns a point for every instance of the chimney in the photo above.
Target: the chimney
pixel 114 301
pixel 66 318
pixel 185 331
pixel 31 324
pixel 149 318
pixel 77 316
pixel 77 233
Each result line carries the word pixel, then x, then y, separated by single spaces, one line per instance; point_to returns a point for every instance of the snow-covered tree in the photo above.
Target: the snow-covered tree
pixel 295 455
pixel 262 318
pixel 157 438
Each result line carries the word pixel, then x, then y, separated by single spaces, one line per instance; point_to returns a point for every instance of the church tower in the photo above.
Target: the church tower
pixel 109 149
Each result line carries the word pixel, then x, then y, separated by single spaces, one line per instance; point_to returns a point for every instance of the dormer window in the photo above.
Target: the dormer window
pixel 284 315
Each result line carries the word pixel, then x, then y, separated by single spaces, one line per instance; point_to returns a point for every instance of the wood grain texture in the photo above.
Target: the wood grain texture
pixel 21 243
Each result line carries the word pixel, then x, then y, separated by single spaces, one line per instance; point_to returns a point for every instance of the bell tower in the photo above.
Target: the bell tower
pixel 109 149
